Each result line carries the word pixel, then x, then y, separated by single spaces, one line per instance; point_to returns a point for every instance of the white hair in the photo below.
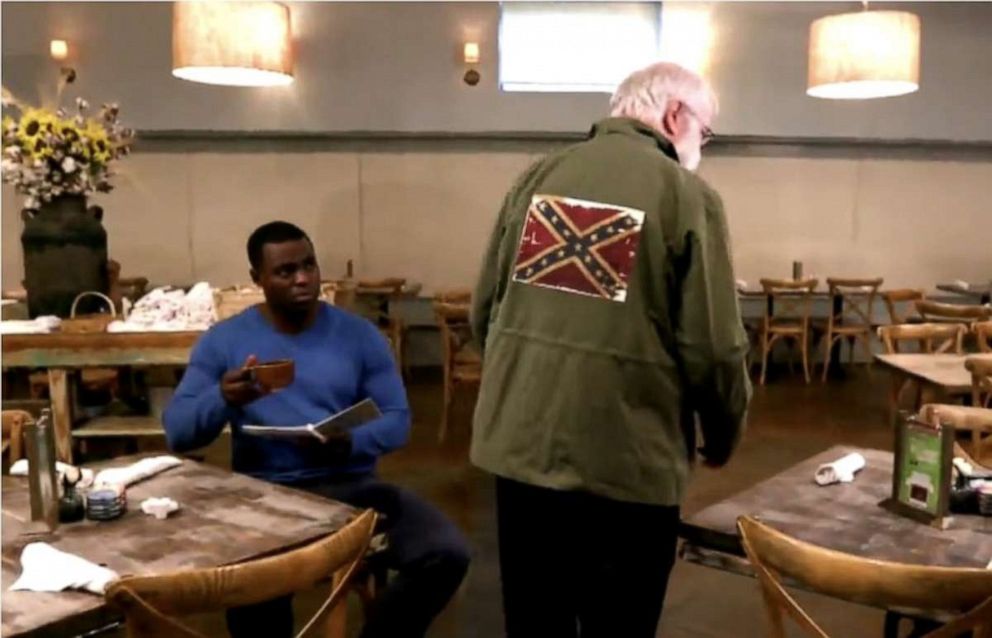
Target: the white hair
pixel 645 94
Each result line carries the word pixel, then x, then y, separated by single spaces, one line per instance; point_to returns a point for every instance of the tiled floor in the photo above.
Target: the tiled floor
pixel 789 422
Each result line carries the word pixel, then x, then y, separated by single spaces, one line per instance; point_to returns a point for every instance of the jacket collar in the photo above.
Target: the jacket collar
pixel 634 128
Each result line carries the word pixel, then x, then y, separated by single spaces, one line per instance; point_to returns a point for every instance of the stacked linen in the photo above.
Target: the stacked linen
pixel 170 310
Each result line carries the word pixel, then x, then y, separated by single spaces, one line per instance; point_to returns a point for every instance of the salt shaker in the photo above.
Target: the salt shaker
pixel 42 479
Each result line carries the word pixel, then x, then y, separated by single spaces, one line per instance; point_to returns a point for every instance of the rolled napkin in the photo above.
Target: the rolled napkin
pixel 135 472
pixel 741 285
pixel 20 468
pixel 840 471
pixel 963 285
pixel 45 568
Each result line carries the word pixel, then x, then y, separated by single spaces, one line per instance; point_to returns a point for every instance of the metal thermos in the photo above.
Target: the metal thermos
pixel 42 478
pixel 797 270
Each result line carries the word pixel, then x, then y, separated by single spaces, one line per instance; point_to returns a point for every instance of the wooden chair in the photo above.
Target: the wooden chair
pixel 983 335
pixel 980 367
pixel 462 362
pixel 952 313
pixel 787 317
pixel 965 591
pixel 14 422
pixel 932 338
pixel 904 296
pixel 150 603
pixel 978 421
pixel 853 319
pixel 381 295
pixel 457 296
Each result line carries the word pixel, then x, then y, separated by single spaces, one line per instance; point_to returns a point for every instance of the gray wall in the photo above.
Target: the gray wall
pixel 396 67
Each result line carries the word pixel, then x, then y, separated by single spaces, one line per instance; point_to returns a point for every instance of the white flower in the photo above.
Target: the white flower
pixel 69 165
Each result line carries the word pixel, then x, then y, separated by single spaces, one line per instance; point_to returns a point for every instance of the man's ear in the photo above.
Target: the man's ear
pixel 254 276
pixel 671 120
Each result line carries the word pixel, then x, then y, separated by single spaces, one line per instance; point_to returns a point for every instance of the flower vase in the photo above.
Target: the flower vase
pixel 65 254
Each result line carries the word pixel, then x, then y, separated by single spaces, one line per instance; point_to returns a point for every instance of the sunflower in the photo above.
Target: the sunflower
pixel 99 141
pixel 35 125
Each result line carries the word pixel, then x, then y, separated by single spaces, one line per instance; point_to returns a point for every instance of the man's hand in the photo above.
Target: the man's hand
pixel 238 388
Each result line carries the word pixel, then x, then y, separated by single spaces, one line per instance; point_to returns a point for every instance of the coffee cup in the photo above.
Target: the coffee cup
pixel 273 374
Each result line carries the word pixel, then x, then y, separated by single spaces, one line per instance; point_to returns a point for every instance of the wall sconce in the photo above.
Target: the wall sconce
pixel 470 53
pixel 59 50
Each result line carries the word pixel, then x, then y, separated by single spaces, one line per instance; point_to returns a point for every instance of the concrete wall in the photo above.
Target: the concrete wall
pixel 395 67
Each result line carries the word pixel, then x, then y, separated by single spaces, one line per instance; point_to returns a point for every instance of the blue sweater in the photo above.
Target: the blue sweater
pixel 340 360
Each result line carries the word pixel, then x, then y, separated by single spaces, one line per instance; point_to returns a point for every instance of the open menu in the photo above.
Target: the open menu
pixel 348 419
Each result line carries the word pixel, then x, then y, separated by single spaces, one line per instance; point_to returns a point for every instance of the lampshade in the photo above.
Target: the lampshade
pixel 232 43
pixel 864 55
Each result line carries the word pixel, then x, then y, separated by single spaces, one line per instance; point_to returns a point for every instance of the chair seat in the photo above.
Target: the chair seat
pixel 467 373
pixel 786 328
pixel 841 329
pixel 98 377
pixel 468 357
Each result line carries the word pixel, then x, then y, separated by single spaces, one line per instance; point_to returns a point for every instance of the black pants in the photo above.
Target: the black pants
pixel 576 564
pixel 426 549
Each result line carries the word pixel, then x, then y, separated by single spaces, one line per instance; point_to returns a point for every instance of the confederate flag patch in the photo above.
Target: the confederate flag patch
pixel 585 248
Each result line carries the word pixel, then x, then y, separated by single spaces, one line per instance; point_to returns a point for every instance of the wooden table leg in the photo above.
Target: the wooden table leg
pixel 58 389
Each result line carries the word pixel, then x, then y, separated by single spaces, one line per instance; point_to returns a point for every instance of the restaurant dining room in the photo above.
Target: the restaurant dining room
pixel 482 319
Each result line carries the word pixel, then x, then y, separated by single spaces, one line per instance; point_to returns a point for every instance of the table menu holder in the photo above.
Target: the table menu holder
pixel 921 474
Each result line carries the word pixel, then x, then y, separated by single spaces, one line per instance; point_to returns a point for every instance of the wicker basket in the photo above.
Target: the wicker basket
pixel 88 323
pixel 231 301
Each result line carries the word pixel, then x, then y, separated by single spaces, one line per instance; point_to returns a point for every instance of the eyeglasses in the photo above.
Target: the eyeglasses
pixel 706 133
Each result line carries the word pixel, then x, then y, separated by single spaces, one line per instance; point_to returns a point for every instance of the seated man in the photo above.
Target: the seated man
pixel 340 359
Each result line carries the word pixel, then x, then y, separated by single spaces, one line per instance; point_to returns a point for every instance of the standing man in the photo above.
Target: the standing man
pixel 608 317
pixel 340 359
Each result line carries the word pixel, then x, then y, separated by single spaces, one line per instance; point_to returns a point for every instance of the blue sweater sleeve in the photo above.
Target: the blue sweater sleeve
pixel 198 413
pixel 382 383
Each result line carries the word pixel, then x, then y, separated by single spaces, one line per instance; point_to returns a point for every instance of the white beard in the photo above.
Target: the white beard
pixel 689 156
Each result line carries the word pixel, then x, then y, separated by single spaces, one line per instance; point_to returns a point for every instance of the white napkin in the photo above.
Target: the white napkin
pixel 741 284
pixel 160 508
pixel 40 325
pixel 45 568
pixel 135 472
pixel 20 468
pixel 840 471
pixel 963 285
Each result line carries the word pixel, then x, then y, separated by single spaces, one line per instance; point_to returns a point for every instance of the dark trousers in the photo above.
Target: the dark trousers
pixel 575 564
pixel 426 549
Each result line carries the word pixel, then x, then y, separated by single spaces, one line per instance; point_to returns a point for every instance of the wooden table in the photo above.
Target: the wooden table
pixel 845 517
pixel 61 353
pixel 224 518
pixel 941 375
pixel 981 293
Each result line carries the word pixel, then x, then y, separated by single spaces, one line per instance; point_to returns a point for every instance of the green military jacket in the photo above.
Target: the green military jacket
pixel 608 318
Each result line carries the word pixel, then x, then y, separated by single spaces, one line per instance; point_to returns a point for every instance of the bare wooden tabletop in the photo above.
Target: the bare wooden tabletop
pixel 944 370
pixel 223 518
pixel 845 517
pixel 68 350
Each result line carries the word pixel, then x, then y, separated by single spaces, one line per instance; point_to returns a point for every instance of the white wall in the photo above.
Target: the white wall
pixel 182 217
pixel 395 67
